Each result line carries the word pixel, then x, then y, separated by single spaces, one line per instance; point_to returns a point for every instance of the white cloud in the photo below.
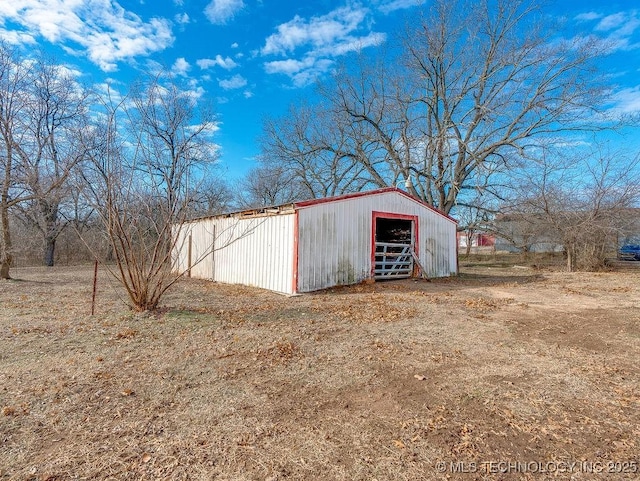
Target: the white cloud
pixel 317 42
pixel 387 7
pixel 627 101
pixel 226 63
pixel 206 63
pixel 235 82
pixel 318 32
pixel 588 16
pixel 561 142
pixel 629 26
pixel 354 44
pixel 17 38
pixel 208 128
pixel 620 30
pixel 182 18
pixel 154 67
pixel 181 67
pixel 289 66
pixel 234 45
pixel 102 28
pixel 611 21
pixel 247 94
pixel 301 72
pixel 70 71
pixel 196 93
pixel 110 88
pixel 220 12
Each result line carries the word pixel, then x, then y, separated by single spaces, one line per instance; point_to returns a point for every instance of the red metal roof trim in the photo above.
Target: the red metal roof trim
pixel 384 190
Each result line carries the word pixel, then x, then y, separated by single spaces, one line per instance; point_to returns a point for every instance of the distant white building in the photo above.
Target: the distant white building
pixel 316 244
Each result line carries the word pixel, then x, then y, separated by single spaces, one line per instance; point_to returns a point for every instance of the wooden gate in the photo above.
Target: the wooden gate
pixel 393 261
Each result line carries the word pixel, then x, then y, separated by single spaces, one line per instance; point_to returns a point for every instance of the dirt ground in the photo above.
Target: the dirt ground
pixel 501 373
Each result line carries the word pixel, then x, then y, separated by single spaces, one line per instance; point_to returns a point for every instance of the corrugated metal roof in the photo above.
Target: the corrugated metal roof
pixel 250 213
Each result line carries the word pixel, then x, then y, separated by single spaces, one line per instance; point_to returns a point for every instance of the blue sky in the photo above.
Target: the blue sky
pixel 253 57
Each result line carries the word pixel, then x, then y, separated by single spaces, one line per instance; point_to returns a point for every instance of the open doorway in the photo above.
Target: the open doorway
pixel 394 238
pixel 397 231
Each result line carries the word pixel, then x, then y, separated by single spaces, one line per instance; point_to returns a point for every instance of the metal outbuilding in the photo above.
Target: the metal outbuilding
pixel 315 244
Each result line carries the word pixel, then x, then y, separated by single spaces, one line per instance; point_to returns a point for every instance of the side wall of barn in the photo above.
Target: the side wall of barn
pixel 254 251
pixel 335 239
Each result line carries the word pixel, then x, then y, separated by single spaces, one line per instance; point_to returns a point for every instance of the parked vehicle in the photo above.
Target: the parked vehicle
pixel 629 252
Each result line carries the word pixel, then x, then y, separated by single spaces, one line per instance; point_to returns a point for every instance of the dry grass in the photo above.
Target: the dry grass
pixel 368 382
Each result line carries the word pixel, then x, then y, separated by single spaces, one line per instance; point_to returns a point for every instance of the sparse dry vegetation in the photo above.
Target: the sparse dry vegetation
pixel 367 382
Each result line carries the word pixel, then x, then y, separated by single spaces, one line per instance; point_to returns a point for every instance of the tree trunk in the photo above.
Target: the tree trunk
pixel 571 259
pixel 5 245
pixel 51 229
pixel 49 251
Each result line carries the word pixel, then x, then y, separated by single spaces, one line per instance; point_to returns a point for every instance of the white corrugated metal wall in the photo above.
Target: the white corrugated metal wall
pixel 200 235
pixel 333 245
pixel 254 251
pixel 334 242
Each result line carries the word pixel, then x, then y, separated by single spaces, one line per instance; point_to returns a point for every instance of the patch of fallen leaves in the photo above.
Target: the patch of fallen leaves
pixel 282 351
pixel 465 445
pixel 370 307
pixel 234 314
pixel 40 329
pixel 436 298
pixel 10 411
pixel 484 304
pixel 618 289
pixel 126 333
pixel 571 290
pixel 439 357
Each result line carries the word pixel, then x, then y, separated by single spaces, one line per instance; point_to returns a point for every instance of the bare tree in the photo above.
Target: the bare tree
pixel 270 184
pixel 55 118
pixel 313 147
pixel 522 230
pixel 149 153
pixel 581 203
pixel 474 218
pixel 476 83
pixel 37 104
pixel 212 196
pixel 13 82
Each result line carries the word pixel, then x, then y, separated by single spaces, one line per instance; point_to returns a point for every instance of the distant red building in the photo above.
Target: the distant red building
pixel 478 239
